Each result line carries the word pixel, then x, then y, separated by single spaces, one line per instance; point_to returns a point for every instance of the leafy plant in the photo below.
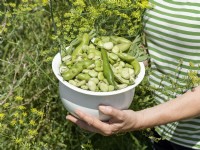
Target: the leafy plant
pixel 31 113
pixel 113 17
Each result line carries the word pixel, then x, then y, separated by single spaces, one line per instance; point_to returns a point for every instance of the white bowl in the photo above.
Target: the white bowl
pixel 88 101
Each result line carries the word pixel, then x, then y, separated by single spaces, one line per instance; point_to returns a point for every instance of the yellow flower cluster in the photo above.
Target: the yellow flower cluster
pixel 2 116
pixel 6 105
pixel 21 107
pixel 32 132
pixel 18 140
pixel 18 98
pixel 32 122
pixel 35 111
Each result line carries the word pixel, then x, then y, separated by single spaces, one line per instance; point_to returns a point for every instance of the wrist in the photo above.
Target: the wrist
pixel 139 120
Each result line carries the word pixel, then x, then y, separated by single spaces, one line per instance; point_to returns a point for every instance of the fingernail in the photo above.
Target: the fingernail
pixel 104 108
pixel 67 117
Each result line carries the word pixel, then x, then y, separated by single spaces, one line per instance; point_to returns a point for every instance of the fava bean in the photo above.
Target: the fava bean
pixel 105 81
pixel 68 63
pixel 125 73
pixel 111 88
pixel 84 87
pixel 105 39
pixel 98 69
pixel 115 49
pixel 83 76
pixel 113 56
pixel 108 45
pixel 122 64
pixel 100 76
pixel 121 86
pixel 103 87
pixel 92 73
pixel 96 57
pixel 85 71
pixel 78 58
pixel 95 51
pixel 83 82
pixel 63 69
pixel 92 66
pixel 73 82
pixel 121 80
pixel 67 58
pixel 91 55
pixel 131 71
pixel 97 89
pixel 98 63
pixel 95 80
pixel 91 85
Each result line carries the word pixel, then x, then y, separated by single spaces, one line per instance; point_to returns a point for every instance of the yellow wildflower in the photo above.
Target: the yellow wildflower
pixel 24 1
pixel 13 122
pixel 12 5
pixel 2 115
pixel 18 140
pixel 18 98
pixel 32 122
pixel 21 107
pixel 34 110
pixel 45 2
pixel 32 132
pixel 24 114
pixel 6 105
pixel 16 114
pixel 21 121
pixel 40 113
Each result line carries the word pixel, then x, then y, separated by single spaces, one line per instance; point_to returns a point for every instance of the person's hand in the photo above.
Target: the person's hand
pixel 121 121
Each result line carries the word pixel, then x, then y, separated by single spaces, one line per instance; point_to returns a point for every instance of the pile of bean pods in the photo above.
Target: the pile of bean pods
pixel 99 64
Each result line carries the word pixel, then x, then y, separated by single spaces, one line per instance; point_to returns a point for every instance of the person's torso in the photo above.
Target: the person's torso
pixel 173 37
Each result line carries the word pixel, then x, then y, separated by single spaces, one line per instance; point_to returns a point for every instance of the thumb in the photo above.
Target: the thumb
pixel 108 110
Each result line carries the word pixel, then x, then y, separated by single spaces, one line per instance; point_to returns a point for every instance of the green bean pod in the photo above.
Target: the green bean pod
pixel 78 49
pixel 120 39
pixel 76 69
pixel 107 71
pixel 123 46
pixel 136 66
pixel 126 57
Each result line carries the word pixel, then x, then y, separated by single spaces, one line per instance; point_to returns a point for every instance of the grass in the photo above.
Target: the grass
pixel 31 113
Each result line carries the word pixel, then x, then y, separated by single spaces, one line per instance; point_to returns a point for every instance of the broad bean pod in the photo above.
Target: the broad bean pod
pixel 76 69
pixel 107 71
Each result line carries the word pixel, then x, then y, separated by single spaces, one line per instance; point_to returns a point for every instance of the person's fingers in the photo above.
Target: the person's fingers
pixel 97 125
pixel 91 121
pixel 110 111
pixel 81 123
pixel 71 118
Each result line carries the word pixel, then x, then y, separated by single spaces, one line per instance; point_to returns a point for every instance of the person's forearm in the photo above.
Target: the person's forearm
pixel 182 107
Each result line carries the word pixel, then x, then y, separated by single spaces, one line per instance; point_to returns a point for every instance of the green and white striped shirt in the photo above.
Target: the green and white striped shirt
pixel 173 37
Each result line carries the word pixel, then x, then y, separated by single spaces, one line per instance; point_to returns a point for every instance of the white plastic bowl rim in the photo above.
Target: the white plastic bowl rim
pixel 56 69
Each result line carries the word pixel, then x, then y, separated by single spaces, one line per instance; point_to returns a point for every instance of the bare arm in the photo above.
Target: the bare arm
pixel 183 107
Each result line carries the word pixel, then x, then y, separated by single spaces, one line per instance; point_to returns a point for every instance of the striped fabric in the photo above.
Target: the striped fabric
pixel 173 37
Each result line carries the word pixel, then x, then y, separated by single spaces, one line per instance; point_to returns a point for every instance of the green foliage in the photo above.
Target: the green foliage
pixel 113 17
pixel 31 113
